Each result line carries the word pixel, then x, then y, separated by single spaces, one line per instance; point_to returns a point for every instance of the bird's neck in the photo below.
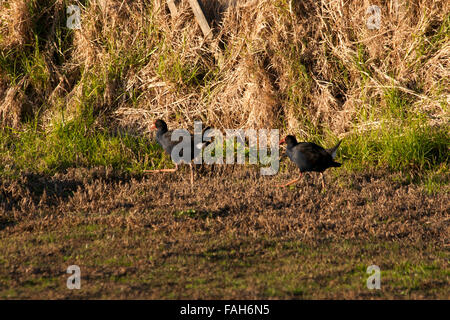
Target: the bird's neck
pixel 161 131
pixel 291 145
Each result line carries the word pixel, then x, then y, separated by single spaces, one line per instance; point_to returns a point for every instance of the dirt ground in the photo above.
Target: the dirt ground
pixel 233 236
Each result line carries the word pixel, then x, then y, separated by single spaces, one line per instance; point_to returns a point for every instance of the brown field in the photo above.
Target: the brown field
pixel 234 236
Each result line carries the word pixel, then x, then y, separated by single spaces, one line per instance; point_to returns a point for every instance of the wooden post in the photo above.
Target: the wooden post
pixel 172 8
pixel 200 17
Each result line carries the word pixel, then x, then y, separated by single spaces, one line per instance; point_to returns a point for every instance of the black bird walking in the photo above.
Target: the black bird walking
pixel 309 156
pixel 163 137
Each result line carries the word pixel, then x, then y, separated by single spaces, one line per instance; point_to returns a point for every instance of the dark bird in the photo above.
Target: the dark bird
pixel 163 137
pixel 309 156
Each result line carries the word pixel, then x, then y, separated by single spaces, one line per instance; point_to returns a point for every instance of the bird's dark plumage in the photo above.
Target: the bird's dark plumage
pixel 163 137
pixel 309 156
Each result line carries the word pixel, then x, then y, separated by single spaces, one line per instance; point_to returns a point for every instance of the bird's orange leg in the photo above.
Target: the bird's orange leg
pixel 162 170
pixel 290 182
pixel 192 175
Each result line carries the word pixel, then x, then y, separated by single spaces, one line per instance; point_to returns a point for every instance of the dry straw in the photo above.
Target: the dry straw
pixel 288 64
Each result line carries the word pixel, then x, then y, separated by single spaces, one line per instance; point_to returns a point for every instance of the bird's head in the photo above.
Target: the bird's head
pixel 159 124
pixel 289 140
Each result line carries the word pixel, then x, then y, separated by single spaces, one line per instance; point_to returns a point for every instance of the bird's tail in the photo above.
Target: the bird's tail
pixel 332 151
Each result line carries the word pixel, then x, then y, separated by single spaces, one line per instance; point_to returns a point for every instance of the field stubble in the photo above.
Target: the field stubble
pixel 233 236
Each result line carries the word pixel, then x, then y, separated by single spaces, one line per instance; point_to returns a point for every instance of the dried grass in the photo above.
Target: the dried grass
pixel 11 108
pixel 290 64
pixel 15 24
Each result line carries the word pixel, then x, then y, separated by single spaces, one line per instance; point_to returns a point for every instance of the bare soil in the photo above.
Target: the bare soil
pixel 232 236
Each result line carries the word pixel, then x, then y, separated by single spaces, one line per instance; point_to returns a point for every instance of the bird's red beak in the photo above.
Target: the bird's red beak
pixel 153 127
pixel 282 141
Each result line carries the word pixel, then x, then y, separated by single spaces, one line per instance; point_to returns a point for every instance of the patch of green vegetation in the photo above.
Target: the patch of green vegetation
pixel 39 284
pixel 117 261
pixel 48 238
pixel 185 213
pixel 8 293
pixel 77 144
pixel 396 138
pixel 416 147
pixel 197 283
pixel 437 180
